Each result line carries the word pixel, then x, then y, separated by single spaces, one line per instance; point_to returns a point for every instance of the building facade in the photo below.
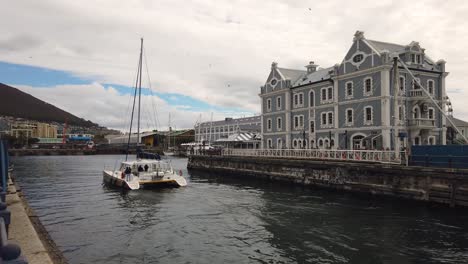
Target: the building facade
pixel 32 129
pixel 213 131
pixel 351 105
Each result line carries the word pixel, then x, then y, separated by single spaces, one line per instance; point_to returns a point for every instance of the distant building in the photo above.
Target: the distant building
pixel 172 138
pixel 155 138
pixel 351 105
pixel 32 129
pixel 452 135
pixel 222 129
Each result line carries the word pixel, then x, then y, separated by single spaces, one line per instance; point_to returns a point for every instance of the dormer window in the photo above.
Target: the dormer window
pixel 413 58
pixel 418 59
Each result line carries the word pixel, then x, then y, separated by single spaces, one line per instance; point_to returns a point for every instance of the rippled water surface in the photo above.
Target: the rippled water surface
pixel 216 220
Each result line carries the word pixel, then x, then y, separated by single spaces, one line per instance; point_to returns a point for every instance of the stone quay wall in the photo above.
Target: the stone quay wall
pixel 438 185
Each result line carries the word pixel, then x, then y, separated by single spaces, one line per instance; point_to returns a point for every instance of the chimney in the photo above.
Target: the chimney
pixel 274 65
pixel 312 67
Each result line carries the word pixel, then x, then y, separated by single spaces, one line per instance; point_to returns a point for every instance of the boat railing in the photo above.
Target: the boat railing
pixel 370 156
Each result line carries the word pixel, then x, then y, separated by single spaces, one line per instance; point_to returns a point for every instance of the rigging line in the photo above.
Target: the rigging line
pixel 155 117
pixel 127 121
pixel 133 110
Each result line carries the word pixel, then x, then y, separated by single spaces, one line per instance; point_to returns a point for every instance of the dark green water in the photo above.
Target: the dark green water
pixel 229 221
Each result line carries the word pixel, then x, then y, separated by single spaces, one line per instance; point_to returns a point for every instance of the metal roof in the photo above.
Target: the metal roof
pixel 458 122
pixel 239 137
pixel 292 74
pixel 319 75
pixel 381 46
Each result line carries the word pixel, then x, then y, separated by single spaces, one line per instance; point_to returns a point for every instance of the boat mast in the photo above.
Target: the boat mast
pixel 138 79
pixel 169 133
pixel 139 94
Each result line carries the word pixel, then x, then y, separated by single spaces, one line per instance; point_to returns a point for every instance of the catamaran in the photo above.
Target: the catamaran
pixel 148 169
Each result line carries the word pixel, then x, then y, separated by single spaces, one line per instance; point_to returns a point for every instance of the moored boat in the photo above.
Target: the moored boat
pixel 148 169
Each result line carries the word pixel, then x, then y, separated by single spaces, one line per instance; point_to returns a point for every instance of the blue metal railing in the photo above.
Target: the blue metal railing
pixel 9 252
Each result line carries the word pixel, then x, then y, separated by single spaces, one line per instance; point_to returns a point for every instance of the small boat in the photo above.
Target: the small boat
pixel 148 169
pixel 144 173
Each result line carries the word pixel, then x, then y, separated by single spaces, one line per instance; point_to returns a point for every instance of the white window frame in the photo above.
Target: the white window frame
pixel 312 127
pixel 294 143
pixel 269 124
pixel 364 92
pixel 268 106
pixel 323 124
pixel 300 122
pixel 347 123
pixel 402 91
pixel 297 97
pixel 279 123
pixel 279 143
pixel 330 124
pixel 278 103
pixel 429 109
pixel 416 109
pixel 320 143
pixel 433 86
pixel 349 96
pixel 269 143
pixel 418 59
pixel 368 122
pixel 323 101
pixel 330 98
pixel 312 102
pixel 412 57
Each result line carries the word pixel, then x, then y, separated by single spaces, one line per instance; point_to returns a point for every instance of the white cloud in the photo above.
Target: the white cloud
pixel 110 108
pixel 221 52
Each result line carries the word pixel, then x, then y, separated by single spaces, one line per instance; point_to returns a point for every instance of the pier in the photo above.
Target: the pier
pixel 368 172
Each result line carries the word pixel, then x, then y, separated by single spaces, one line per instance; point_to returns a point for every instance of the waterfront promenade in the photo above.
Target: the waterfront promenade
pixel 29 235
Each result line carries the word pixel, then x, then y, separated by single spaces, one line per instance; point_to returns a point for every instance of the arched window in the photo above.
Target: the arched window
pixel 416 113
pixel 311 99
pixel 320 143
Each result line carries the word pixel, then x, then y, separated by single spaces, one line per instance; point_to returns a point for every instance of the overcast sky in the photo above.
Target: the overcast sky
pixel 204 56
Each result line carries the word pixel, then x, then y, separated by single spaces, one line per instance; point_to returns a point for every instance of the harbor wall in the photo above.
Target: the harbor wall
pixel 438 185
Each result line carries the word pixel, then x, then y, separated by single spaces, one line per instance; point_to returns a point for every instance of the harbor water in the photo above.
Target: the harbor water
pixel 224 220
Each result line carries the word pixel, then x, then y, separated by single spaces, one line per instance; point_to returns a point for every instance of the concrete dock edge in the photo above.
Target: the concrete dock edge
pixel 27 231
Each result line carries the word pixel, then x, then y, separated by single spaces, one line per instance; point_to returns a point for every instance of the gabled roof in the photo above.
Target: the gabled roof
pixel 291 74
pixel 458 122
pixel 381 46
pixel 319 75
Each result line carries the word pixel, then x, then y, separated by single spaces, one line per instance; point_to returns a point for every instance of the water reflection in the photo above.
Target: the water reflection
pixel 226 220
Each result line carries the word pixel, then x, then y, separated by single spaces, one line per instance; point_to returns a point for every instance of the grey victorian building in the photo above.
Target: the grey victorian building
pixel 350 105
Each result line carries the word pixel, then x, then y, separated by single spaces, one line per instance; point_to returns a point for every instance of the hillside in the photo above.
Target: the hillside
pixel 16 103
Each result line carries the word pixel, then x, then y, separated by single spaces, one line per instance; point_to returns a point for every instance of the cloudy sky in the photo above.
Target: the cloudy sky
pixel 204 56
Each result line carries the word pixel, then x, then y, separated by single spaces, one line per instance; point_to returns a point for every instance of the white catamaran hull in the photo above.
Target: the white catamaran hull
pixel 115 179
